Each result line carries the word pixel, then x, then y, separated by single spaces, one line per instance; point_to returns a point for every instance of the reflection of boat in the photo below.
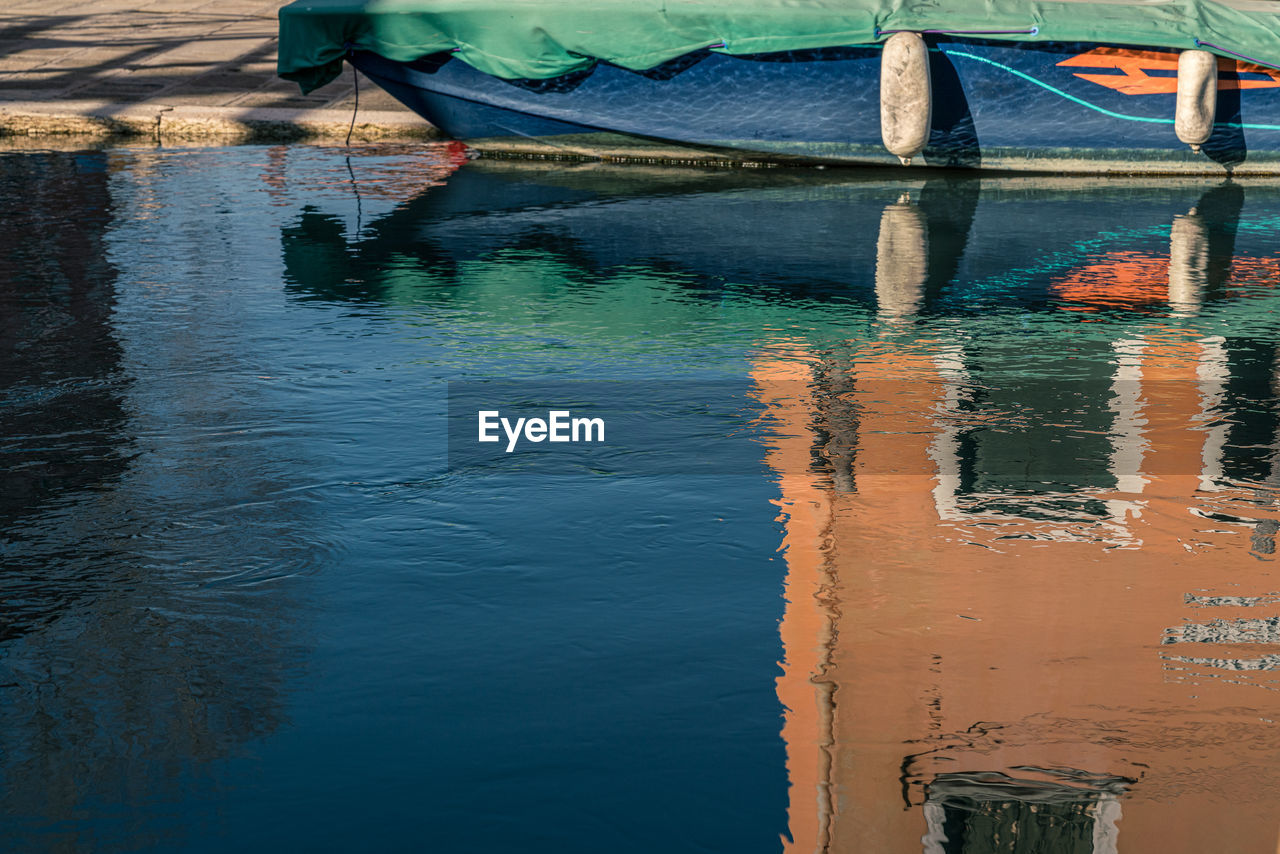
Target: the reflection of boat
pixel 712 226
pixel 889 247
pixel 1070 86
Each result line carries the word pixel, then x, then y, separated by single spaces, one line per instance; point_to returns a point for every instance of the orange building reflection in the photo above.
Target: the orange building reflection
pixel 1025 615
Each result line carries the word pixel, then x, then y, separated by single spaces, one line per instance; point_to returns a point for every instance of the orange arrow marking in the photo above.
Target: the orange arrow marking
pixel 1136 63
pixel 1136 280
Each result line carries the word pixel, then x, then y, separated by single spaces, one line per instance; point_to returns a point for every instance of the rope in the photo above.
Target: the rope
pixel 1222 49
pixel 355 81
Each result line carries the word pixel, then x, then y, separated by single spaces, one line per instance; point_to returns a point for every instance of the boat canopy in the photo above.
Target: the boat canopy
pixel 523 39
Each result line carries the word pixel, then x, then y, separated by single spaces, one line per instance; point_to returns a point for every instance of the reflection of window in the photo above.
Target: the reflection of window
pixel 992 813
pixel 1041 434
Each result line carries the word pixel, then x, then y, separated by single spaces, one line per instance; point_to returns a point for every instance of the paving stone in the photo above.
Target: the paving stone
pixel 44 85
pixel 283 86
pixel 209 50
pixel 266 69
pixel 105 56
pixel 21 94
pixel 207 98
pixel 229 80
pixel 275 99
pixel 371 98
pixel 121 94
pixel 43 7
pixel 32 59
pixel 239 7
pixel 147 55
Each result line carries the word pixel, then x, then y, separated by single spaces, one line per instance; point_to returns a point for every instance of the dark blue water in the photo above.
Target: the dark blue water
pixel 247 602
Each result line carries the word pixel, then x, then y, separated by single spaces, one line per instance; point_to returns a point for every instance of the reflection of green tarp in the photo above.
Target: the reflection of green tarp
pixel 546 38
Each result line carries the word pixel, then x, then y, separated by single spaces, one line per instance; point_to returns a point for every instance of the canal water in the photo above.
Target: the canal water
pixel 933 514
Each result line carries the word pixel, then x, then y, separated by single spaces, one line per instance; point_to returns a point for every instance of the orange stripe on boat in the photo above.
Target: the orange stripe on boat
pixel 1136 63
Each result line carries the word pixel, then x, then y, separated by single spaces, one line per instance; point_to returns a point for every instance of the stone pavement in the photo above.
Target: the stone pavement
pixel 178 69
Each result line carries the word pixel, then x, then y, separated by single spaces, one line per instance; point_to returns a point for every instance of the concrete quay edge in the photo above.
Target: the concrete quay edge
pixel 176 122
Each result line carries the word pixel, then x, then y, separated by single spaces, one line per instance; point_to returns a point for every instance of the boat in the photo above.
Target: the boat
pixel 1074 86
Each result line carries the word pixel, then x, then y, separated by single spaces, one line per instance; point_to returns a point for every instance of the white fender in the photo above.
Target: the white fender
pixel 902 253
pixel 906 103
pixel 1188 261
pixel 1197 97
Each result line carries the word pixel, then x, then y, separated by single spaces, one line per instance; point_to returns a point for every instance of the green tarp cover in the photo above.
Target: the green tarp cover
pixel 546 38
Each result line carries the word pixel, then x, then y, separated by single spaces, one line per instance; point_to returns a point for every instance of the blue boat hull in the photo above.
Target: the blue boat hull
pixel 997 105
